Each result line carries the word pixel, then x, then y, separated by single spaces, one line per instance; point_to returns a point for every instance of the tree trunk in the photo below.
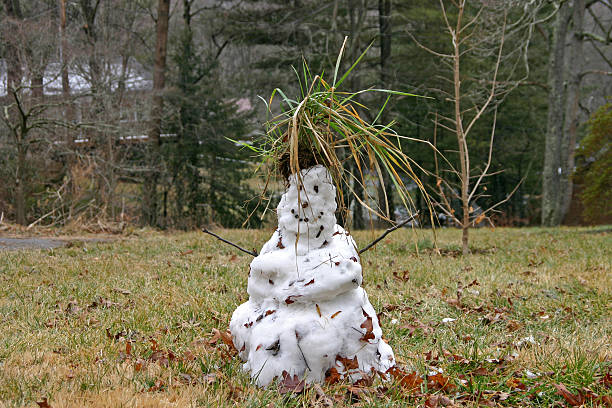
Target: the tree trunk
pixel 384 25
pixel 37 85
pixel 357 12
pixel 551 176
pixel 568 143
pixel 14 72
pixel 68 109
pixel 463 151
pixel 149 203
pixel 14 76
pixel 20 184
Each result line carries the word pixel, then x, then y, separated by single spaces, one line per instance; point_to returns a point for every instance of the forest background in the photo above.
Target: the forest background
pixel 120 111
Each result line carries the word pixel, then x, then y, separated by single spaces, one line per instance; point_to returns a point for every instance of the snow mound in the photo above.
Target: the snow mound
pixel 307 313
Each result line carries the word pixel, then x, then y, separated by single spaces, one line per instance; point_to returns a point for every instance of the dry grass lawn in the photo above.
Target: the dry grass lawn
pixel 526 320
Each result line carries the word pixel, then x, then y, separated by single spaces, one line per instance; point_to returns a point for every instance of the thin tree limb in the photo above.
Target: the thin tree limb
pixel 484 172
pixel 253 253
pixel 388 231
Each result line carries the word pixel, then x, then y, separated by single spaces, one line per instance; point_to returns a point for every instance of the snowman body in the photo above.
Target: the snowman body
pixel 307 312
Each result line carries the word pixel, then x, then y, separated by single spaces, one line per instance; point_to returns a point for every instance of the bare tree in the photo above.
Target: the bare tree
pixel 29 44
pixel 149 197
pixel 479 33
pixel 565 76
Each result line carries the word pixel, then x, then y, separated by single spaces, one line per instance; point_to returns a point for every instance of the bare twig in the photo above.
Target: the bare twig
pixel 40 219
pixel 252 253
pixel 486 169
pixel 388 231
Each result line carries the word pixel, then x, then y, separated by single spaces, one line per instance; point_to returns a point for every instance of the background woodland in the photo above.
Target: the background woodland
pixel 119 111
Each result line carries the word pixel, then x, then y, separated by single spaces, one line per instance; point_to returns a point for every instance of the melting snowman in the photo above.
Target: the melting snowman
pixel 307 314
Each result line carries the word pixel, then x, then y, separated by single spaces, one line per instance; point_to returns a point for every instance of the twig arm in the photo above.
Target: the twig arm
pixel 252 253
pixel 388 231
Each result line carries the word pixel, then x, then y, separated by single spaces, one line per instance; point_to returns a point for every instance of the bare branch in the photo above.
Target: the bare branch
pixel 429 50
pixel 597 72
pixel 493 85
pixel 388 231
pixel 254 253
pixel 484 172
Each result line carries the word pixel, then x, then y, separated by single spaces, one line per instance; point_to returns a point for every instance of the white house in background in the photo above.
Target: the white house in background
pixel 136 78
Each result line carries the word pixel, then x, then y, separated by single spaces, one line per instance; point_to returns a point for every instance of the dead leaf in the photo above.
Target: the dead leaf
pixel 289 384
pixel 513 325
pixel 368 326
pixel 122 291
pixel 606 400
pixel 409 381
pixel 290 301
pixel 139 364
pixel 455 302
pixel 438 400
pixel 225 336
pixel 336 314
pixel 349 364
pixel 323 399
pixel 404 277
pixel 44 403
pixel 481 371
pixel 439 382
pixel 332 375
pixel 188 356
pixel 187 252
pixel 479 218
pixel 309 283
pixel 515 383
pixel 411 327
pixel 159 384
pixel 573 400
pixel 185 378
pixel 318 310
pixel 73 307
pixel 210 378
pixel 365 381
pixel 160 357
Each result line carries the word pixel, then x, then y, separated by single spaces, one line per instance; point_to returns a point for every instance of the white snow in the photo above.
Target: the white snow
pixel 307 310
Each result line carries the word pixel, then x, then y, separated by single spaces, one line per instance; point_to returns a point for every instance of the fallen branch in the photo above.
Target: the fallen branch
pixel 41 218
pixel 388 231
pixel 254 253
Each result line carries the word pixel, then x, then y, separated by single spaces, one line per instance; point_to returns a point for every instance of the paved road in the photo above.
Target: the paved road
pixel 30 243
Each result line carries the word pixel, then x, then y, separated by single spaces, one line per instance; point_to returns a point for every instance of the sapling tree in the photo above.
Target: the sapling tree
pixel 492 39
